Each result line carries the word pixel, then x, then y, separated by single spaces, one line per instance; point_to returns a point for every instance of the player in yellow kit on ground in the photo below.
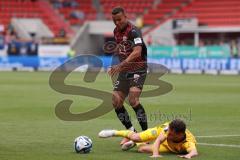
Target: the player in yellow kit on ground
pixel 169 137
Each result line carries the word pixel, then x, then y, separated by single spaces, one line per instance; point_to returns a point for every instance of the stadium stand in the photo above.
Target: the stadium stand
pixel 213 13
pixel 162 10
pixel 84 10
pixel 133 8
pixel 77 12
pixel 32 9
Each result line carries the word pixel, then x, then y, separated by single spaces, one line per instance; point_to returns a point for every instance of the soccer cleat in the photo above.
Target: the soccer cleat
pixel 106 133
pixel 128 145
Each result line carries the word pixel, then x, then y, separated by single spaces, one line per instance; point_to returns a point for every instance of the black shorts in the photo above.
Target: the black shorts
pixel 127 80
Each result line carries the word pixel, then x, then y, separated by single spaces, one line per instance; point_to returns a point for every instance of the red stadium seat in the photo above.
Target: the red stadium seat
pixel 214 13
pixel 29 9
pixel 163 9
pixel 133 8
pixel 85 6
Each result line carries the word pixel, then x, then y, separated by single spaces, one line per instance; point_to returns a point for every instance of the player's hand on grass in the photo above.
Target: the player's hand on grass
pixel 185 156
pixel 155 156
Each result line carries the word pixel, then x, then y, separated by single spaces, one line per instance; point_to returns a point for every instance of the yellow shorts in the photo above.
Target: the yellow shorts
pixel 150 134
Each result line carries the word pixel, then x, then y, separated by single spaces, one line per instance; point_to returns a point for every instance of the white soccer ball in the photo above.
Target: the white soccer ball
pixel 82 144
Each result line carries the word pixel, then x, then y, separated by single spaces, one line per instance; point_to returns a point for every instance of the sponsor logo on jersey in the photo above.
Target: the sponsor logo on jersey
pixel 137 40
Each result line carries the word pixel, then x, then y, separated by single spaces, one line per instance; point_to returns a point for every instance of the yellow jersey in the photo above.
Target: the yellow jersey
pixel 185 146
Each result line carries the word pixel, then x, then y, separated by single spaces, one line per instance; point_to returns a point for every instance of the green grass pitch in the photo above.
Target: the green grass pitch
pixel 30 130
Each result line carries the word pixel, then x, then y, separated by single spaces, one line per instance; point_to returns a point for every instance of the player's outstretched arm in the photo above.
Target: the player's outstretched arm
pixel 191 154
pixel 157 144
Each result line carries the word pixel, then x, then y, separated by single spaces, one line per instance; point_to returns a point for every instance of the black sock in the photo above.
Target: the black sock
pixel 141 116
pixel 124 117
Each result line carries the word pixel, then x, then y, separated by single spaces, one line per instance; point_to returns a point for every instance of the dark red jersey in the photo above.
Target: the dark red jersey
pixel 127 39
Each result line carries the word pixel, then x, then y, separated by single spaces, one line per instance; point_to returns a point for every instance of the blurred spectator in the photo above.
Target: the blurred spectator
pixel 201 43
pixel 238 47
pixel 234 49
pixel 182 43
pixel 208 42
pixel 149 40
pixel 10 36
pixel 2 28
pixel 74 4
pixel 13 48
pixel 139 22
pixel 32 49
pixel 223 43
pixel 100 13
pixel 77 14
pixel 23 48
pixel 7 37
pixel 1 41
pixel 67 3
pixel 62 33
pixel 57 4
pixel 10 28
pixel 71 53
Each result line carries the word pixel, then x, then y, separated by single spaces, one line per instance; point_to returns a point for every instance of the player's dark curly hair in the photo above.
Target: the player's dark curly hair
pixel 178 126
pixel 117 10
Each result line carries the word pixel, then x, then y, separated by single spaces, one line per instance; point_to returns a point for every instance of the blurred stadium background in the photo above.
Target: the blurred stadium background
pixel 193 38
pixel 197 36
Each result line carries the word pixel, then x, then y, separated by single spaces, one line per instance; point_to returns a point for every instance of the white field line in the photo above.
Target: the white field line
pixel 220 145
pixel 217 136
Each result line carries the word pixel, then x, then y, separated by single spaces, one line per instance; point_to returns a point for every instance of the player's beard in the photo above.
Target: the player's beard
pixel 123 27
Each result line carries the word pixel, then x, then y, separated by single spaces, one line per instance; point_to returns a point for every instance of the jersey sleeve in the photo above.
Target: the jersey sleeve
pixel 189 146
pixel 136 37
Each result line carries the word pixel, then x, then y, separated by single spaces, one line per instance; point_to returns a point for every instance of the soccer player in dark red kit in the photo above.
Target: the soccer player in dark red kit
pixel 132 70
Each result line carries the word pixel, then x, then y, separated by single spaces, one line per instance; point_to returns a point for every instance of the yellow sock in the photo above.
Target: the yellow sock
pixel 124 133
